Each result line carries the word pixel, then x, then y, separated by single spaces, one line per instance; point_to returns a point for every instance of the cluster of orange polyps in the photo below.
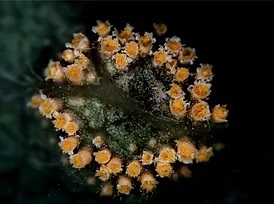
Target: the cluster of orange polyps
pixel 122 48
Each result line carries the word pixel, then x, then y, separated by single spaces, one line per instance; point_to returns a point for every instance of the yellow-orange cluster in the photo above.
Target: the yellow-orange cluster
pixel 121 49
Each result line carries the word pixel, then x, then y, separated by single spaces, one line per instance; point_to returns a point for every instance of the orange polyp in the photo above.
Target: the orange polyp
pixel 147 158
pixel 159 58
pixel 181 75
pixel 68 55
pixel 204 154
pixel 187 55
pixel 81 159
pixel 167 154
pixel 102 28
pixel 126 34
pixel 78 37
pixel 83 61
pixel 148 182
pixel 54 71
pixel 204 72
pixel 145 40
pixel 160 28
pixel 45 108
pixel 102 156
pixel 75 73
pixel 114 165
pixel 71 128
pixel 134 169
pixel 186 151
pixel 69 144
pixel 219 114
pixel 174 46
pixel 132 49
pixel 178 107
pixel 200 90
pixel 121 61
pixel 103 173
pixel 35 100
pixel 163 169
pixel 109 46
pixel 175 91
pixel 60 121
pixel 185 171
pixel 200 111
pixel 124 185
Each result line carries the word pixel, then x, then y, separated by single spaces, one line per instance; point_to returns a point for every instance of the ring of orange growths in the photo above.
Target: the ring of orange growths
pixel 182 91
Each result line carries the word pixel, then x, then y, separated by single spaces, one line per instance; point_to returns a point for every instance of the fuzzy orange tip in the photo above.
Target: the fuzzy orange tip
pixel 160 28
pixel 178 107
pixel 81 159
pixel 186 151
pixel 114 166
pixel 148 182
pixel 102 156
pixel 35 101
pixel 173 45
pixel 181 74
pixel 71 128
pixel 147 158
pixel 54 71
pixel 103 174
pixel 124 185
pixel 167 154
pixel 200 111
pixel 204 154
pixel 68 55
pixel 132 49
pixel 175 91
pixel 48 106
pixel 69 144
pixel 163 169
pixel 83 62
pixel 75 73
pixel 61 120
pixel 126 34
pixel 121 61
pixel 134 168
pixel 187 55
pixel 200 90
pixel 102 28
pixel 204 72
pixel 146 41
pixel 79 42
pixel 219 114
pixel 159 58
pixel 109 46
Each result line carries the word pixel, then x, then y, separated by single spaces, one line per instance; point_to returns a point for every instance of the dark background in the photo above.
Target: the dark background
pixel 32 32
